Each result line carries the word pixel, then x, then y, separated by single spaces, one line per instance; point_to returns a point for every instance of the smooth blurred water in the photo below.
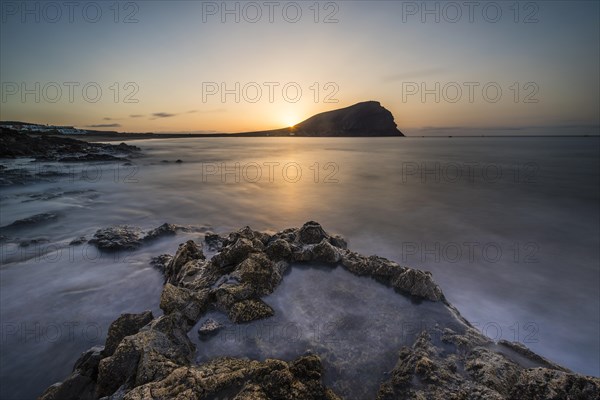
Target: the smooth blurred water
pixel 509 227
pixel 354 324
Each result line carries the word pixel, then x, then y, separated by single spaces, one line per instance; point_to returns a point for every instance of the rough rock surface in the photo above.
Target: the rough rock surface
pixel 146 358
pixel 124 237
pixel 59 148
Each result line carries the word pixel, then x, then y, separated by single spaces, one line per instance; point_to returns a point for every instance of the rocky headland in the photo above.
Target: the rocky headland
pixel 46 147
pixel 152 357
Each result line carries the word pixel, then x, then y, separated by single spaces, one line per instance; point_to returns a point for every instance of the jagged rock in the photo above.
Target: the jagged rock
pixel 209 328
pixel 149 355
pixel 161 262
pixel 279 249
pixel 214 241
pixel 418 283
pixel 259 272
pixel 121 237
pixel 326 252
pixel 249 310
pixel 47 147
pixel 78 241
pixel 189 303
pixel 125 325
pixel 235 253
pixel 163 230
pixel 227 295
pixel 311 233
pixel 271 379
pixel 29 221
pixel 544 384
pixel 188 251
pixel 81 384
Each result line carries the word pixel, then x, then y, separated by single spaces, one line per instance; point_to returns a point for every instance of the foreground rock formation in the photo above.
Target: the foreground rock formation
pixel 147 357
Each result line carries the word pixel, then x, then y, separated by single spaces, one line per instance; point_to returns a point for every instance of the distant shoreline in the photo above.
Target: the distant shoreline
pixel 144 136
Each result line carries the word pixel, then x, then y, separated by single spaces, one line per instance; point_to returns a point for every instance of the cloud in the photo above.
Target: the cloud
pixel 422 73
pixel 192 111
pixel 136 115
pixel 107 119
pixel 104 126
pixel 163 115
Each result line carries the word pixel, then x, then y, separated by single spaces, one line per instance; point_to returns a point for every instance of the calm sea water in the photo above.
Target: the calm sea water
pixel 508 226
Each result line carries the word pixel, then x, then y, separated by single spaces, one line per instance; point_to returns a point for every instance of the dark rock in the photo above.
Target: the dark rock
pixel 125 325
pixel 163 230
pixel 245 379
pixel 214 241
pixel 161 262
pixel 78 241
pixel 121 237
pixel 209 328
pixel 326 252
pixel 81 384
pixel 363 119
pixel 418 283
pixel 188 303
pixel 311 233
pixel 249 310
pixel 178 161
pixel 279 249
pixel 30 242
pixel 58 148
pixel 188 251
pixel 30 221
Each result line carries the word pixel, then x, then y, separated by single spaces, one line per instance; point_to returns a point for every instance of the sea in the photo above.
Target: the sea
pixel 509 227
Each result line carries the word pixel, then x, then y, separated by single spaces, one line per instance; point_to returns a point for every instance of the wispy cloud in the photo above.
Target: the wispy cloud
pixel 136 115
pixel 104 126
pixel 163 115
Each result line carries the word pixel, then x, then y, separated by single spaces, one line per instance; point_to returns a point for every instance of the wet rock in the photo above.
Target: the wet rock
pixel 234 253
pixel 31 221
pixel 543 383
pixel 15 144
pixel 33 242
pixel 163 230
pixel 214 241
pixel 188 251
pixel 121 237
pixel 190 304
pixel 279 249
pixel 209 328
pixel 161 262
pixel 326 252
pixel 125 325
pixel 149 355
pixel 78 241
pixel 243 379
pixel 91 157
pixel 260 273
pixel 249 310
pixel 81 384
pixel 418 283
pixel 311 233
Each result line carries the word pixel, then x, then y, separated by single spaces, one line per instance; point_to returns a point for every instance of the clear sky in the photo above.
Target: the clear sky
pixel 189 66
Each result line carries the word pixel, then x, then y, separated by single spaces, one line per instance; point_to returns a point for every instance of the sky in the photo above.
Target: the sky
pixel 191 66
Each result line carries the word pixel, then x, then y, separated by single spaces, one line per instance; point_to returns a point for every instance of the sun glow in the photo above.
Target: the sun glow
pixel 290 120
